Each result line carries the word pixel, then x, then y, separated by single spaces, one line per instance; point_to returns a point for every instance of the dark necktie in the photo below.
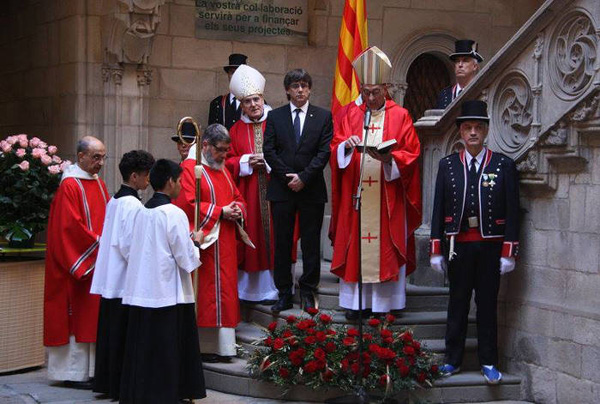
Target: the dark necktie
pixel 297 125
pixel 473 171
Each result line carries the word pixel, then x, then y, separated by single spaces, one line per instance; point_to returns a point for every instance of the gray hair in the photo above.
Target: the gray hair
pixel 83 144
pixel 216 133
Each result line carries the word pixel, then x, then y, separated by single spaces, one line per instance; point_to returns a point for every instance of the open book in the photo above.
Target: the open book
pixel 381 148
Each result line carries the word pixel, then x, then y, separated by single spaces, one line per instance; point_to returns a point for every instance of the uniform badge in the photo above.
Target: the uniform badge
pixel 492 177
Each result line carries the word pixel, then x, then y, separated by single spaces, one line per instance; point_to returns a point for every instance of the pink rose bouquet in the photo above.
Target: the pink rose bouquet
pixel 30 173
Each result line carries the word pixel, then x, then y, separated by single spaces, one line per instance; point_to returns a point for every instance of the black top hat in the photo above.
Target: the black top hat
pixel 235 60
pixel 466 47
pixel 188 132
pixel 474 110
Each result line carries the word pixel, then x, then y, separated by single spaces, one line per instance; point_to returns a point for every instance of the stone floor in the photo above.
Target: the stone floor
pixel 33 387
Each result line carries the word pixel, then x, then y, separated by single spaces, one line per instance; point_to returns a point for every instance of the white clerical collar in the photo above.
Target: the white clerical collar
pixel 74 171
pixel 303 108
pixel 478 158
pixel 266 110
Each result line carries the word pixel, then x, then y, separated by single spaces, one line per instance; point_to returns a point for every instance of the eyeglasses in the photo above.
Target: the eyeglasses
pixel 375 93
pixel 99 157
pixel 302 84
pixel 221 149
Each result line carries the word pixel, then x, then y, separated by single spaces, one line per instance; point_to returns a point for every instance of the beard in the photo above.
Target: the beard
pixel 211 162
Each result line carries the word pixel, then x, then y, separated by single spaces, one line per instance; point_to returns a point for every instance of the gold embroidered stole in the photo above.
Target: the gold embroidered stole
pixel 371 204
pixel 261 172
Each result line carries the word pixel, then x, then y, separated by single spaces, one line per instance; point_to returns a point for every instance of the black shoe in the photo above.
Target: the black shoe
pixel 209 358
pixel 307 301
pixel 284 303
pixel 267 302
pixel 224 359
pixel 87 385
pixel 351 315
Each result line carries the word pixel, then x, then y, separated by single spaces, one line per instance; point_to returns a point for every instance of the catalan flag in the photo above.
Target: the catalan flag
pixel 353 40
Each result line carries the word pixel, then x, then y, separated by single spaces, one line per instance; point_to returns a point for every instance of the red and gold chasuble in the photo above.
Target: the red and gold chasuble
pixel 74 229
pixel 386 243
pixel 217 299
pixel 247 138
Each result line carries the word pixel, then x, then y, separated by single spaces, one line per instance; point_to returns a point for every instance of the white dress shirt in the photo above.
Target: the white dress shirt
pixel 302 113
pixel 232 98
pixel 478 159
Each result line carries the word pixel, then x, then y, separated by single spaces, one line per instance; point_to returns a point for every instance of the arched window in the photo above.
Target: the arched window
pixel 426 77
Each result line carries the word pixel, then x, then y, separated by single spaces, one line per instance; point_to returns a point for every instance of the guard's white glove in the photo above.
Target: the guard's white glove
pixel 506 265
pixel 438 264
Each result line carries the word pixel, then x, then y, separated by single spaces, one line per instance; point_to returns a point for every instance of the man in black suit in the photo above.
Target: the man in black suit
pixel 226 109
pixel 476 206
pixel 466 61
pixel 296 147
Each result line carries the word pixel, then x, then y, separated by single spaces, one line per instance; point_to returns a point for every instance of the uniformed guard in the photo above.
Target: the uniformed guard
pixel 226 109
pixel 476 207
pixel 466 61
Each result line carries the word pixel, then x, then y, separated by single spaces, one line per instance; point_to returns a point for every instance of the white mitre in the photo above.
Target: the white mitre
pixel 246 81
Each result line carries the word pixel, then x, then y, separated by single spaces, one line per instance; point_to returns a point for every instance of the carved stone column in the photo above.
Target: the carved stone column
pixel 127 77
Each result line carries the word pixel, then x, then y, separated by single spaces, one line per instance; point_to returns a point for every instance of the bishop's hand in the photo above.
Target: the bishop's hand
pixel 383 157
pixel 256 160
pixel 352 142
pixel 232 212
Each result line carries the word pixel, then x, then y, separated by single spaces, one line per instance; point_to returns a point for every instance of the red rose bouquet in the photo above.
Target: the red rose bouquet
pixel 315 352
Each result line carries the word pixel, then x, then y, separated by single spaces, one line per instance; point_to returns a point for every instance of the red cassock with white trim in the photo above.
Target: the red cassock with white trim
pixel 74 229
pixel 218 303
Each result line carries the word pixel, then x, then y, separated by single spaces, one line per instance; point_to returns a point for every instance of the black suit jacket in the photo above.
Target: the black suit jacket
pixel 307 159
pixel 444 98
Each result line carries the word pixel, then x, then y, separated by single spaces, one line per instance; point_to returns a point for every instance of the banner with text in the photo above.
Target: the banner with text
pixel 266 21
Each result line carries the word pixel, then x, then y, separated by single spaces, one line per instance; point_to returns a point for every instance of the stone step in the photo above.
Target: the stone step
pixel 465 387
pixel 247 333
pixel 424 324
pixel 418 298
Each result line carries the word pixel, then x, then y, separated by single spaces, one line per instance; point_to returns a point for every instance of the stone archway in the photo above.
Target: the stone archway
pixel 435 44
pixel 426 77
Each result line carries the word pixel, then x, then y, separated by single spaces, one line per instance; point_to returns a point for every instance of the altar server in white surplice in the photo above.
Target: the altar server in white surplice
pixel 109 275
pixel 161 362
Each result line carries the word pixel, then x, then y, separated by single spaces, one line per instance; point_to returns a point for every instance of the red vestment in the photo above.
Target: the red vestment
pixel 74 229
pixel 402 196
pixel 217 299
pixel 261 258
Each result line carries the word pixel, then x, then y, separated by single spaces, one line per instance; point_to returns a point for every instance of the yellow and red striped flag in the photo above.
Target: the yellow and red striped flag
pixel 353 40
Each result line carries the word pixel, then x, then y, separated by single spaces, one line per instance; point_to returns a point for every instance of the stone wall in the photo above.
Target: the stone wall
pixel 550 323
pixel 44 75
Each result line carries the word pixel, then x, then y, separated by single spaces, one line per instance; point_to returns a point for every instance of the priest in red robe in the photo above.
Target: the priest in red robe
pixel 74 229
pixel 391 198
pixel 222 210
pixel 247 164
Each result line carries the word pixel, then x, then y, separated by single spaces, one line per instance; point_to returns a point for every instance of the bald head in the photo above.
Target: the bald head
pixel 90 154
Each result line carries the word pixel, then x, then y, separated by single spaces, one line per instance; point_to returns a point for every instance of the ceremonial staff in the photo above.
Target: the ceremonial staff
pixel 198 175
